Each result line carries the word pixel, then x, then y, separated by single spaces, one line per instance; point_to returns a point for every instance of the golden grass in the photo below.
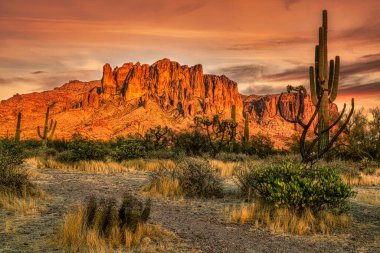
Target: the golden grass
pixel 368 196
pixel 224 169
pixel 96 167
pixel 74 236
pixel 22 206
pixel 365 180
pixel 285 220
pixel 148 165
pixel 9 227
pixel 165 187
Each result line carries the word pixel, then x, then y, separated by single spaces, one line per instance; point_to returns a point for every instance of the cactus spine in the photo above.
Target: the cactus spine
pixel 324 81
pixel 49 130
pixel 246 128
pixel 18 127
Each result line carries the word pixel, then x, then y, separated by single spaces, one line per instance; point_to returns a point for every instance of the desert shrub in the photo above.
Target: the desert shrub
pixel 297 187
pixel 125 149
pixel 191 143
pixel 13 179
pixel 157 138
pixel 197 178
pixel 260 145
pixel 192 177
pixel 58 145
pixel 79 150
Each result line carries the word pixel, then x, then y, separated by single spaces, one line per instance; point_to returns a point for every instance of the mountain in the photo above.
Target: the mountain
pixel 135 97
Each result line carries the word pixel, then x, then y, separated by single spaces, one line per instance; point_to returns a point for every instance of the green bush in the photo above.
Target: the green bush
pixel 260 145
pixel 79 150
pixel 125 149
pixel 12 178
pixel 297 187
pixel 191 143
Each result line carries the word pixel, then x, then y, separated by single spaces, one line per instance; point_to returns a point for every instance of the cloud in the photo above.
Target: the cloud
pixel 261 89
pixel 13 80
pixel 289 3
pixel 242 73
pixel 38 72
pixel 372 89
pixel 270 43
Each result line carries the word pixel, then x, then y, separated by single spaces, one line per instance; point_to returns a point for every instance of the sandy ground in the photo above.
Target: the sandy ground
pixel 198 224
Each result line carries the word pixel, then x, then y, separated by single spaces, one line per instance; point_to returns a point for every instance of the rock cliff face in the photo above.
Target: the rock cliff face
pixel 139 96
pixel 172 86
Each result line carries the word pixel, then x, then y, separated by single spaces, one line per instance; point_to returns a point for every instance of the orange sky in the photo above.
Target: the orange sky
pixel 263 45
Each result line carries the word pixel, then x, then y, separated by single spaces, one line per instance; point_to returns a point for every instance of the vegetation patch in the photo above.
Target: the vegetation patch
pixel 192 177
pixel 102 225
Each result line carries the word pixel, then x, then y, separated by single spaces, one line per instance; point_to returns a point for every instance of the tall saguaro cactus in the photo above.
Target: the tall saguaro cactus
pixel 18 127
pixel 49 130
pixel 324 81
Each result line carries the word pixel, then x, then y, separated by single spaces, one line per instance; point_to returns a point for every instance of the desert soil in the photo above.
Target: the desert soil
pixel 198 224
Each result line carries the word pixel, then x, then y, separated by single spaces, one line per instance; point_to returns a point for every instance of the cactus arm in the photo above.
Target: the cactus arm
pixel 39 132
pixel 246 127
pixel 331 75
pixel 53 130
pixel 50 126
pixel 314 98
pixel 335 84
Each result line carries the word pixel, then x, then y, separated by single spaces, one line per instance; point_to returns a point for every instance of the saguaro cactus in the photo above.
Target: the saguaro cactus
pixel 323 89
pixel 246 127
pixel 18 127
pixel 324 81
pixel 49 130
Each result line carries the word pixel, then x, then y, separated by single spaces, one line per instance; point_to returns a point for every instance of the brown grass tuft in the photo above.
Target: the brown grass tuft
pixel 224 169
pixel 285 220
pixel 365 180
pixel 166 187
pixel 24 206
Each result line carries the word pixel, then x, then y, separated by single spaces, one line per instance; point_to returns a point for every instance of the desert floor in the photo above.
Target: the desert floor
pixel 199 225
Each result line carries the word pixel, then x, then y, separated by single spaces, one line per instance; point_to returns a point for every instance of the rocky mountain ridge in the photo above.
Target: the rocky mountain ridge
pixel 135 97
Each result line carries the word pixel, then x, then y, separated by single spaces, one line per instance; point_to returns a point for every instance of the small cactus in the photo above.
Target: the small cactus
pixel 246 128
pixel 49 130
pixel 18 127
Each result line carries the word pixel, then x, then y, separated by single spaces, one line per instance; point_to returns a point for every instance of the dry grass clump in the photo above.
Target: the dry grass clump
pixel 97 167
pixel 103 226
pixel 22 205
pixel 148 165
pixel 284 220
pixel 363 179
pixel 224 169
pixel 165 186
pixel 368 196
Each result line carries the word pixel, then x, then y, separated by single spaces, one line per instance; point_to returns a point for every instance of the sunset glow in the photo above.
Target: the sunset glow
pixel 262 45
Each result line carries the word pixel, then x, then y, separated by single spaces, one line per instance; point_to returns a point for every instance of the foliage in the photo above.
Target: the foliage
pixel 297 187
pixel 12 178
pixel 125 149
pixel 158 138
pixel 220 133
pixel 362 137
pixel 197 178
pixel 191 143
pixel 260 145
pixel 79 150
pixel 192 177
